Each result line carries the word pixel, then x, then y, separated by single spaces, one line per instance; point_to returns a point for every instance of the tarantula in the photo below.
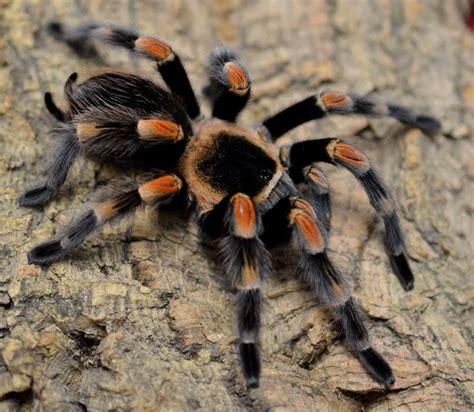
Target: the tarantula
pixel 248 193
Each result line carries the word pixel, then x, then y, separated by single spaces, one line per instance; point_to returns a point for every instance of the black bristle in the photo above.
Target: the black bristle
pixel 426 123
pixel 52 108
pixel 36 197
pixel 319 272
pixel 55 29
pixel 251 365
pixel 117 36
pixel 46 253
pixel 249 302
pixel 402 270
pixel 226 104
pixel 377 366
pixel 352 323
pixel 72 236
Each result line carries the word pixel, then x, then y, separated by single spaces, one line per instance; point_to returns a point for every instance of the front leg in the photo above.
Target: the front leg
pixel 246 263
pixel 324 104
pixel 80 39
pixel 335 151
pixel 332 289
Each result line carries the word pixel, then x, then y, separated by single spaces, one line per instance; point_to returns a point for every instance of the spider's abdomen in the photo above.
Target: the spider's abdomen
pixel 120 116
pixel 224 159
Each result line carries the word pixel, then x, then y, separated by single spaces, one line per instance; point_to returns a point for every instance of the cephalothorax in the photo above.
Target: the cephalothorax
pixel 248 193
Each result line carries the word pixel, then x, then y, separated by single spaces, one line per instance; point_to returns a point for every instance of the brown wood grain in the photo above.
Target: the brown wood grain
pixel 140 319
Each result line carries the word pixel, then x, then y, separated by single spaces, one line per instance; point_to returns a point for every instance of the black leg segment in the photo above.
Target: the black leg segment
pixel 168 62
pixel 62 158
pixel 246 263
pixel 337 152
pixel 112 203
pixel 332 289
pixel 230 85
pixel 323 104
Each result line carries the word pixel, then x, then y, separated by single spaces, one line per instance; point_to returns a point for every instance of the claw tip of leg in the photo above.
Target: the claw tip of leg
pixel 253 382
pixel 409 285
pixel 55 28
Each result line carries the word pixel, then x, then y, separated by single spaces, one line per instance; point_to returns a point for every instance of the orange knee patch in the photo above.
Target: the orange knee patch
pixel 237 78
pixel 250 277
pixel 335 100
pixel 319 179
pixel 87 131
pixel 153 129
pixel 244 216
pixel 159 189
pixel 349 154
pixel 154 48
pixel 105 211
pixel 313 240
pixel 304 205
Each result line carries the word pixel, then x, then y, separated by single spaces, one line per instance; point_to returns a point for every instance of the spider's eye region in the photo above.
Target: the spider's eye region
pixel 237 78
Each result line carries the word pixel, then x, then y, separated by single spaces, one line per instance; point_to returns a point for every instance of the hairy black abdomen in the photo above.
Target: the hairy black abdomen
pixel 236 165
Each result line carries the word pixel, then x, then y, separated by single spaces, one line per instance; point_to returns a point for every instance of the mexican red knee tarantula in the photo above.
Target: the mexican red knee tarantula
pixel 247 191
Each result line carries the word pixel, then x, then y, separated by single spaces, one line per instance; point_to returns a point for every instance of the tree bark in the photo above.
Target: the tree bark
pixel 140 319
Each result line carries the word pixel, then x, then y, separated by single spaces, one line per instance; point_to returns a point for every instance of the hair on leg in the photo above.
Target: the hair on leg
pixel 168 62
pixel 317 182
pixel 229 84
pixel 325 103
pixel 246 263
pixel 332 289
pixel 382 201
pixel 338 152
pixel 62 158
pixel 113 202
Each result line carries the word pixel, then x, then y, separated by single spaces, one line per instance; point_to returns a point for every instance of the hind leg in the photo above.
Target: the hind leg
pixel 66 150
pixel 112 203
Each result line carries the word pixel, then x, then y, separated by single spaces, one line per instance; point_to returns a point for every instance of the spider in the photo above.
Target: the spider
pixel 249 194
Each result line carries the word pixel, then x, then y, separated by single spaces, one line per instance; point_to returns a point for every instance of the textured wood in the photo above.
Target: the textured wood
pixel 139 318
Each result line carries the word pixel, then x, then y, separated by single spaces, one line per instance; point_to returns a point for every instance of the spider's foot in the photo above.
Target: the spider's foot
pixel 37 197
pixel 377 366
pixel 251 366
pixel 46 253
pixel 427 124
pixel 401 268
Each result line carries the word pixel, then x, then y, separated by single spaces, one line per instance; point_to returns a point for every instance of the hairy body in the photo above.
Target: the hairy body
pixel 248 193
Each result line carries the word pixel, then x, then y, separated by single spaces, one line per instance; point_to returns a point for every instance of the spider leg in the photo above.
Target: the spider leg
pixel 114 202
pixel 331 288
pixel 313 178
pixel 246 263
pixel 229 84
pixel 66 150
pixel 323 104
pixel 55 111
pixel 168 62
pixel 337 152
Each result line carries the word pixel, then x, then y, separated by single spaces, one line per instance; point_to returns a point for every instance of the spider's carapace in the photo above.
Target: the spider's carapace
pixel 225 158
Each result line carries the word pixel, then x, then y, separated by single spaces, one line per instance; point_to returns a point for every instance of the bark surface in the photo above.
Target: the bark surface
pixel 140 319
